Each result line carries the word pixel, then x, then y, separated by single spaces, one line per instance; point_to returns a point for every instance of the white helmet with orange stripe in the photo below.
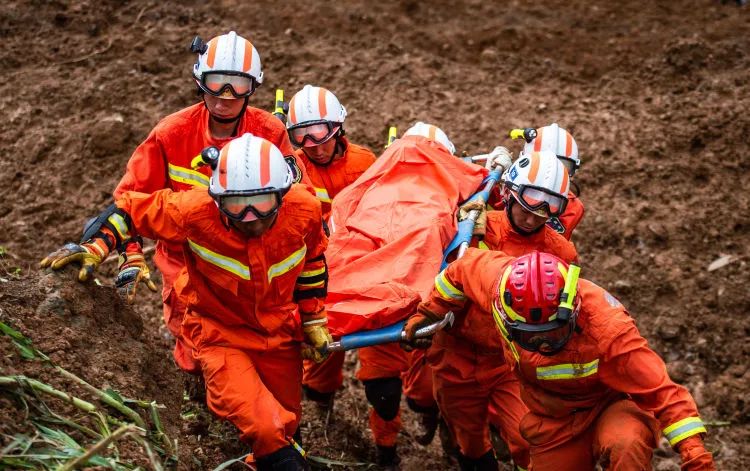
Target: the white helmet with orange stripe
pixel 315 116
pixel 228 66
pixel 556 139
pixel 432 133
pixel 539 182
pixel 249 179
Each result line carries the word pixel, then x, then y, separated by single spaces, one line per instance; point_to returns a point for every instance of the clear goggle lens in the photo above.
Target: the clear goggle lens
pixel 312 135
pixel 250 208
pixel 231 85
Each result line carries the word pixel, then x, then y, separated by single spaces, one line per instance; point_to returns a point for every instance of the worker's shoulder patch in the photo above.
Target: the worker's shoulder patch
pixel 611 300
pixel 556 225
pixel 296 172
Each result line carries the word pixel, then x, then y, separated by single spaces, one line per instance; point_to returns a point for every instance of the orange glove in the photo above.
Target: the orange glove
pixel 89 255
pixel 694 455
pixel 423 317
pixel 132 270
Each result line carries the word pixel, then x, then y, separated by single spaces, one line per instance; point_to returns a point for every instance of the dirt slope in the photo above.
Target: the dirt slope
pixel 656 94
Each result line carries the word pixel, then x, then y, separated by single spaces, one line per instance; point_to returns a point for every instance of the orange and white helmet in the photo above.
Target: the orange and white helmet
pixel 432 133
pixel 228 66
pixel 315 116
pixel 558 140
pixel 539 182
pixel 249 179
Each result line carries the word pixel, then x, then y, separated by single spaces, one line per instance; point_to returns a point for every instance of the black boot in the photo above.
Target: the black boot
pixel 429 418
pixel 324 400
pixel 486 462
pixel 387 457
pixel 284 459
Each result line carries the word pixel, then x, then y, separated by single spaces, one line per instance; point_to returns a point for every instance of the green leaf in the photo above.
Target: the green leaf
pixel 229 463
pixel 114 395
pixel 344 464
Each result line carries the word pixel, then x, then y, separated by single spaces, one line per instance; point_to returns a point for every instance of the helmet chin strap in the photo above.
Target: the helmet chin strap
pixel 230 120
pixel 511 201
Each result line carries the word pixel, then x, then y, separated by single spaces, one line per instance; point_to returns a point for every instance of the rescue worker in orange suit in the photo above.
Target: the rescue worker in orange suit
pixel 316 127
pixel 473 383
pixel 558 140
pixel 227 73
pixel 254 258
pixel 596 393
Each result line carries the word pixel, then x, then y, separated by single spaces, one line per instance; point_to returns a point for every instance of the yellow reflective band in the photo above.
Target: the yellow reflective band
pixel 567 370
pixel 119 222
pixel 309 273
pixel 312 285
pixel 504 332
pixel 510 312
pixel 278 269
pixel 446 289
pixel 187 176
pixel 482 246
pixel 322 195
pixel 683 429
pixel 229 264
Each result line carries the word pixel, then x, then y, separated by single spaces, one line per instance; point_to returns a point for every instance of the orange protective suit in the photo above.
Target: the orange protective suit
pixel 329 180
pixel 473 384
pixel 567 222
pixel 604 397
pixel 242 321
pixel 163 161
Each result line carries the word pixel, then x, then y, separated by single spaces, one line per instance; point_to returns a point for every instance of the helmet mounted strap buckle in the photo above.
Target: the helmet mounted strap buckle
pixel 198 46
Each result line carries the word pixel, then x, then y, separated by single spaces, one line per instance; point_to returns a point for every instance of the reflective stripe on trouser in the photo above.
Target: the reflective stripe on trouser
pixel 474 390
pixel 258 393
pixel 325 377
pixel 623 432
pixel 385 432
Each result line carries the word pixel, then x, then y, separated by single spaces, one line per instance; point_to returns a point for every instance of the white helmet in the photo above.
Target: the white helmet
pixel 315 116
pixel 539 182
pixel 432 133
pixel 228 66
pixel 558 140
pixel 250 176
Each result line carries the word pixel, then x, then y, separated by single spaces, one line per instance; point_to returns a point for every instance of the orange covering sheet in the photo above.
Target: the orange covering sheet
pixel 389 229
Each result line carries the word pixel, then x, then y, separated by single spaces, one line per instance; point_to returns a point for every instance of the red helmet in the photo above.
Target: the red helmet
pixel 536 302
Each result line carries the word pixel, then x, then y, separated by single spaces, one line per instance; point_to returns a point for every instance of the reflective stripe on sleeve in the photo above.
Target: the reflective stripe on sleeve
pixel 120 225
pixel 278 269
pixel 567 370
pixel 683 429
pixel 322 195
pixel 229 264
pixel 446 289
pixel 187 176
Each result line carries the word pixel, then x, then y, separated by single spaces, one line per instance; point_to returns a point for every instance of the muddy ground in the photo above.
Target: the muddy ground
pixel 656 94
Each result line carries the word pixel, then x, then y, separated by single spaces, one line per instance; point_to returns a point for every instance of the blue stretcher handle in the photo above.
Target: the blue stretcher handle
pixel 466 227
pixel 368 338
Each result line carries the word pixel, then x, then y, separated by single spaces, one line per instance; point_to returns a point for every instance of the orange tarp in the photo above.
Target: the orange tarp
pixel 389 229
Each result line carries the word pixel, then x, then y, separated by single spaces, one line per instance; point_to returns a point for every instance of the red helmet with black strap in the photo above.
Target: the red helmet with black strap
pixel 536 302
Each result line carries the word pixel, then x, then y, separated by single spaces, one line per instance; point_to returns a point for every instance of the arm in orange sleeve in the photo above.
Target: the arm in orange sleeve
pixel 630 366
pixel 146 170
pixel 311 286
pixel 159 215
pixel 470 278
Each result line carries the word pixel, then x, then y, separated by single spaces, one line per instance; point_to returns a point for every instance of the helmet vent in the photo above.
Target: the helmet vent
pixel 508 298
pixel 536 314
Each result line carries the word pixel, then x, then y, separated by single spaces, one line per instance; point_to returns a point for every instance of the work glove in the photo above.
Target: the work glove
pixel 132 271
pixel 422 318
pixel 694 455
pixel 90 255
pixel 318 338
pixel 499 158
pixel 478 204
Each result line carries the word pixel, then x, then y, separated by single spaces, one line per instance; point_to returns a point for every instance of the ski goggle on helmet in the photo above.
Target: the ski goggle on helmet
pixel 539 182
pixel 315 116
pixel 250 177
pixel 228 66
pixel 536 303
pixel 552 138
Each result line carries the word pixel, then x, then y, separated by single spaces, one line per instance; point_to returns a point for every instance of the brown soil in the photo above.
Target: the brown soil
pixel 656 94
